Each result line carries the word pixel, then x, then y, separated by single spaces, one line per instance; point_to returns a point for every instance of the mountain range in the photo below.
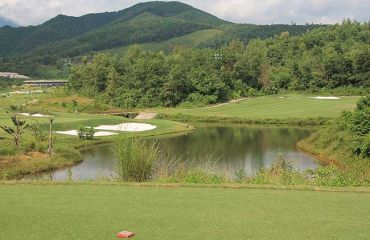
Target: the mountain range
pixel 155 25
pixel 7 22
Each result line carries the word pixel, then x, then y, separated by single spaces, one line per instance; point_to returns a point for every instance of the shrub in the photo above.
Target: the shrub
pixel 198 100
pixel 86 133
pixel 30 147
pixel 240 176
pixel 39 135
pixel 201 176
pixel 331 176
pixel 280 172
pixel 42 148
pixel 8 150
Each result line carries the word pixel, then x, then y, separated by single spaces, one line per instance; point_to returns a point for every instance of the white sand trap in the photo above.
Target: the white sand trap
pixel 285 98
pixel 26 92
pixel 75 133
pixel 19 92
pixel 325 98
pixel 34 115
pixel 127 127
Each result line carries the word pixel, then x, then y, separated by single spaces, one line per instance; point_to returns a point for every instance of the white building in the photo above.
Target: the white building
pixel 13 75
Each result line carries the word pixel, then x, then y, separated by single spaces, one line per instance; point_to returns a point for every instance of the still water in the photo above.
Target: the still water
pixel 231 147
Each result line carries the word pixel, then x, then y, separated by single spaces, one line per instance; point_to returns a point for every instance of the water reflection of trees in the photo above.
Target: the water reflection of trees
pixel 235 146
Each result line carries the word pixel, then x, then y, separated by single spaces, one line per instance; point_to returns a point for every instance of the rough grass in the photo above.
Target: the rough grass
pixel 272 107
pixel 100 212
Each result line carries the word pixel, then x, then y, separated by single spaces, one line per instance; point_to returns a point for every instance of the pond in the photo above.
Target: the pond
pixel 227 147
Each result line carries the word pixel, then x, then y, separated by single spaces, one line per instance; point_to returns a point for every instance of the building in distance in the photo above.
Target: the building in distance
pixel 45 83
pixel 13 75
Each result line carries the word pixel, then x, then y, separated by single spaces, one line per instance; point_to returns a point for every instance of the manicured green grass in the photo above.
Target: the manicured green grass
pixel 99 212
pixel 273 107
pixel 64 119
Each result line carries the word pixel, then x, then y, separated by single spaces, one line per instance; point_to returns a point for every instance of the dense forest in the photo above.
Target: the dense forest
pixel 247 32
pixel 327 57
pixel 39 51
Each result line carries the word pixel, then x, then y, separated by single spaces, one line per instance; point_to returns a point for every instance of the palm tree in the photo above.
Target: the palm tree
pixel 17 131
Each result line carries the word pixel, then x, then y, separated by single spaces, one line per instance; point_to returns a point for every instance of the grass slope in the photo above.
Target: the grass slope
pixel 99 212
pixel 187 41
pixel 273 107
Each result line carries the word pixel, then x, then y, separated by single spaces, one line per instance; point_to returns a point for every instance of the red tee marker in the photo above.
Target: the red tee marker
pixel 125 234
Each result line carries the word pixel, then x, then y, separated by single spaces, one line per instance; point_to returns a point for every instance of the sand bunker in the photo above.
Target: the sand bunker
pixel 285 98
pixel 325 98
pixel 75 133
pixel 26 92
pixel 124 127
pixel 127 127
pixel 34 115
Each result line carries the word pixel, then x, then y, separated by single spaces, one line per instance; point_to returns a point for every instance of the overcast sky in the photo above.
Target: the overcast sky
pixel 33 12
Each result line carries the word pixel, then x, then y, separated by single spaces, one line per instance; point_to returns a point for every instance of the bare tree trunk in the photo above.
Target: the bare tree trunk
pixel 17 137
pixel 50 149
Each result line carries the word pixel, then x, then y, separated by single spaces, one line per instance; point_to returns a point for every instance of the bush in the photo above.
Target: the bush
pixel 86 133
pixel 202 176
pixel 240 176
pixel 198 100
pixel 331 176
pixel 42 147
pixel 64 104
pixel 9 150
pixel 136 159
pixel 365 147
pixel 280 172
pixel 31 147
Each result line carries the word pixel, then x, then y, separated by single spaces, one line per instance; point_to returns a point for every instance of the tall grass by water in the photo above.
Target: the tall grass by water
pixel 139 160
pixel 136 159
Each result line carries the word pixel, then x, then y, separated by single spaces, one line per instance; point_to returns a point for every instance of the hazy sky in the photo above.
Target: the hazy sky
pixel 33 12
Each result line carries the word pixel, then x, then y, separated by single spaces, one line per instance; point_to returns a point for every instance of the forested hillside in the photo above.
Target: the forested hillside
pixel 247 32
pixel 16 41
pixel 41 51
pixel 328 57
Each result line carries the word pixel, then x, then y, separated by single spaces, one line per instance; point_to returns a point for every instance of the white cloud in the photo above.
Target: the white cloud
pixel 26 12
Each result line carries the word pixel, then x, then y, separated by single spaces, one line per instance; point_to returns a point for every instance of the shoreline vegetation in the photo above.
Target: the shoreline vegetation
pixel 281 173
pixel 163 169
pixel 219 120
pixel 29 163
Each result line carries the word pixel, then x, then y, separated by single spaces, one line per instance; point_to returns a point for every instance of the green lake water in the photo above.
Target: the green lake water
pixel 228 147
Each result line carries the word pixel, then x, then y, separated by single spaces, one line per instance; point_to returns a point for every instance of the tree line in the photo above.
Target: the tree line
pixel 328 57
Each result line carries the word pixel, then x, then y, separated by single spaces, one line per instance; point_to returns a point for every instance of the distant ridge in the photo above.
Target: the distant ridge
pixel 7 22
pixel 157 20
